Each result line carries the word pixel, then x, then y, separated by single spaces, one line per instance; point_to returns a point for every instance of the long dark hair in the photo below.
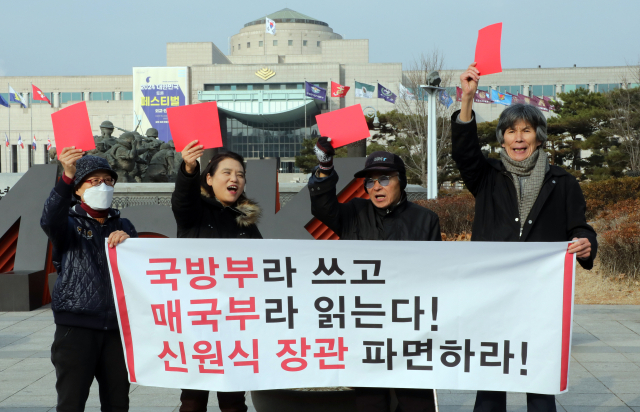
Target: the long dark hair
pixel 211 168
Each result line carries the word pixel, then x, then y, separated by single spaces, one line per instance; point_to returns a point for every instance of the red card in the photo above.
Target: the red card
pixel 195 122
pixel 488 50
pixel 343 126
pixel 71 127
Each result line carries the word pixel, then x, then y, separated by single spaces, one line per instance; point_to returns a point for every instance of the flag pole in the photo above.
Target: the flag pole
pixel 5 147
pixel 31 110
pixel 305 108
pixel 330 86
pixel 378 86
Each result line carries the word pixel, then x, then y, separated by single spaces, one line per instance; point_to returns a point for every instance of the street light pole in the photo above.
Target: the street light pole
pixel 432 148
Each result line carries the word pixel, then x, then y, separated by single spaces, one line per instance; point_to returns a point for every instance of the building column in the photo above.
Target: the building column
pixel 56 99
pixel 86 96
pixel 525 90
pixel 592 87
pixel 558 89
pixel 116 95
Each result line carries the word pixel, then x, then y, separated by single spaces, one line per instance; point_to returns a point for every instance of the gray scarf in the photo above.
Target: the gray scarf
pixel 527 176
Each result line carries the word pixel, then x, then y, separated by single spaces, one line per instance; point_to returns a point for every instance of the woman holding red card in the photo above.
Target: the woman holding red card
pixel 519 198
pixel 212 204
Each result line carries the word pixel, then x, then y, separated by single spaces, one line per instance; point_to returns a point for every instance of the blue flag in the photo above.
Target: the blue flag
pixel 444 98
pixel 501 98
pixel 315 92
pixel 386 94
pixel 16 98
pixel 3 102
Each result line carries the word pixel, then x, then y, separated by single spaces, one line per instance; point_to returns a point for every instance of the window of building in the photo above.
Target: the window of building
pixel 543 90
pixel 318 44
pixel 126 95
pixel 101 96
pixel 49 96
pixel 233 48
pixel 71 97
pixel 304 43
pixel 275 42
pixel 606 88
pixel 260 43
pixel 515 90
pixel 238 47
pixel 566 88
pixel 249 87
pixel 248 45
pixel 633 85
pixel 14 158
pixel 290 42
pixel 233 87
pixel 29 156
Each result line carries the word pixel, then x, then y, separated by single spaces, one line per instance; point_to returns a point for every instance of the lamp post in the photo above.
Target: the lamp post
pixel 432 88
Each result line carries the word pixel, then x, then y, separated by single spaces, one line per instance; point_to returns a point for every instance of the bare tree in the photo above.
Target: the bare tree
pixel 624 105
pixel 413 124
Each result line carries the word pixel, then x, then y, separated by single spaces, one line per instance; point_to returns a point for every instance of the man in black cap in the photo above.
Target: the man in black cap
pixel 388 215
pixel 87 340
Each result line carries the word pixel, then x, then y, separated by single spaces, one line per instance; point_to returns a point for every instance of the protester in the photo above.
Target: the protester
pixel 213 205
pixel 519 198
pixel 87 339
pixel 388 215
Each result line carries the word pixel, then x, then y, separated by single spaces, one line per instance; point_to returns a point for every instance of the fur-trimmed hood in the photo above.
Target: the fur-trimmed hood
pixel 247 211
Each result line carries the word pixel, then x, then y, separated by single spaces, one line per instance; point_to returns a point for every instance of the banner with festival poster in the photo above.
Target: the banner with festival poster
pixel 155 89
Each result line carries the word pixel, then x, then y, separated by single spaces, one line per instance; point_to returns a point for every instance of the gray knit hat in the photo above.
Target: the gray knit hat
pixel 89 164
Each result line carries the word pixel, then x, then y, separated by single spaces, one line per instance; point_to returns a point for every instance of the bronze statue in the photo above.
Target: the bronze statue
pixel 122 158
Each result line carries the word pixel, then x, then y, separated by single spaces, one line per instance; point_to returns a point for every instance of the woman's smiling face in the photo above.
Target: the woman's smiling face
pixel 520 140
pixel 227 181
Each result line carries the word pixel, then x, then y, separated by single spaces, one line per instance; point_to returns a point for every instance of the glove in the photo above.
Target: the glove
pixel 324 152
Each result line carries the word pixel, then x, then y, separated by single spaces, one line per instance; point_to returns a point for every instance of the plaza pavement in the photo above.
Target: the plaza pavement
pixel 604 373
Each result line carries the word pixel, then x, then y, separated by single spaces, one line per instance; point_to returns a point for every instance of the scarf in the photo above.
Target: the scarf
pixel 527 175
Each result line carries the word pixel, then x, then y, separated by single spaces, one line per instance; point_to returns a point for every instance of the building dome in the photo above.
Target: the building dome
pixel 296 34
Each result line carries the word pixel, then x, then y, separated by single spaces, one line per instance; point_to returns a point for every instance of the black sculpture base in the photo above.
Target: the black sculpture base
pixel 21 290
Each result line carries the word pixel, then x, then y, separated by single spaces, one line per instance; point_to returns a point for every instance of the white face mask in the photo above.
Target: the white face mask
pixel 99 197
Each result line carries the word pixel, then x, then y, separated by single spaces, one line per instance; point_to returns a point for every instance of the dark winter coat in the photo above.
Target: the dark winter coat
pixel 200 216
pixel 359 219
pixel 557 215
pixel 82 295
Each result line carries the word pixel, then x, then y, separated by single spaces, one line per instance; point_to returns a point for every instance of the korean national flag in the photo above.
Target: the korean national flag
pixel 270 26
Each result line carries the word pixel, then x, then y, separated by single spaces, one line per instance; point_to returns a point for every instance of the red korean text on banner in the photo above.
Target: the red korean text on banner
pixel 488 50
pixel 343 126
pixel 195 122
pixel 71 127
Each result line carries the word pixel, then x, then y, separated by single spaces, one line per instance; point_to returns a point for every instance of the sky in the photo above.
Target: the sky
pixel 80 37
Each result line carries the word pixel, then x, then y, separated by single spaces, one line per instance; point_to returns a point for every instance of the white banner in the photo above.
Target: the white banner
pixel 232 314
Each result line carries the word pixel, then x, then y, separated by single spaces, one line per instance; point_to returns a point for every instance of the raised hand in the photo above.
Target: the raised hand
pixel 469 81
pixel 190 155
pixel 469 84
pixel 68 158
pixel 324 152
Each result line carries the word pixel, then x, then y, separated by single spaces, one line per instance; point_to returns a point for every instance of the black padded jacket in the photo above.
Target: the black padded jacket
pixel 359 219
pixel 82 295
pixel 200 216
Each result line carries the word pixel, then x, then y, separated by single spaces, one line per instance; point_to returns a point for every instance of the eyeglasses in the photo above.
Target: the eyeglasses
pixel 383 180
pixel 96 181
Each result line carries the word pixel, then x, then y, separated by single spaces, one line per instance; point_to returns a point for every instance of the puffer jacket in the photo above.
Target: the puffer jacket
pixel 557 215
pixel 82 295
pixel 200 216
pixel 359 219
